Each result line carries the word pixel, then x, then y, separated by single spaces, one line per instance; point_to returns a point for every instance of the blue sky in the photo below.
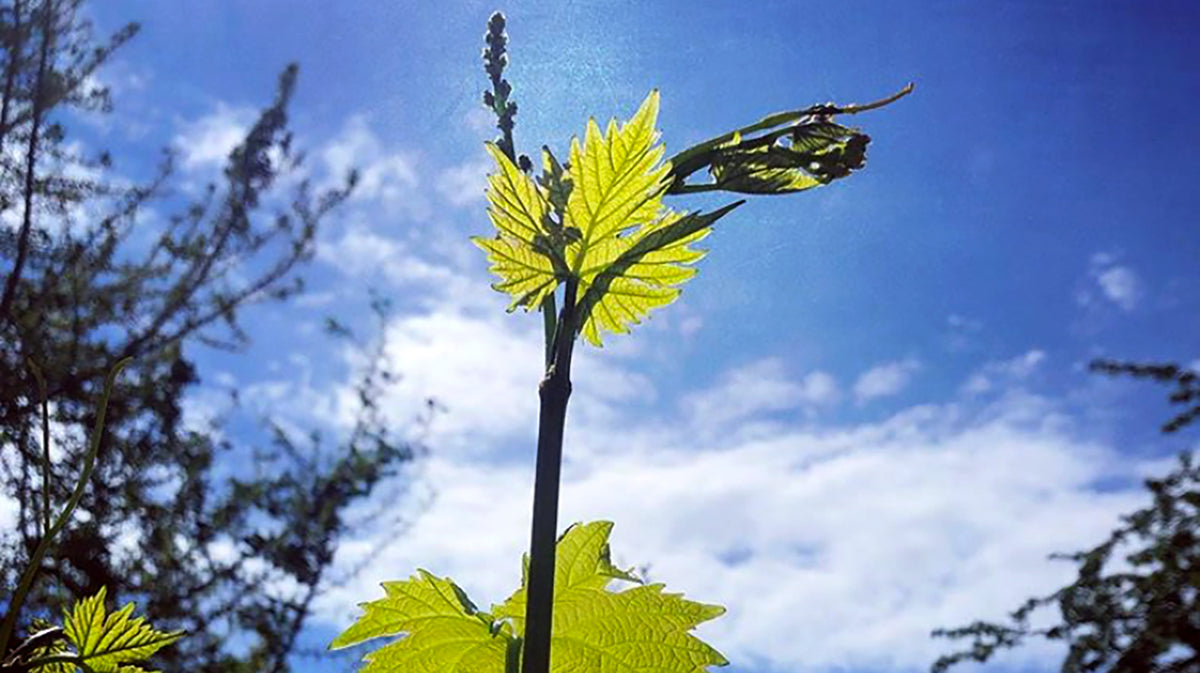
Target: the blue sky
pixel 868 415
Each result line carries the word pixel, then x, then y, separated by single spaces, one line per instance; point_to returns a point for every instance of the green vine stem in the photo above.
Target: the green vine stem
pixel 39 553
pixel 554 391
pixel 41 384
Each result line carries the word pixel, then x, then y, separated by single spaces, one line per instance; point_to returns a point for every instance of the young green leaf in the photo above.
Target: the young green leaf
pixel 45 640
pixel 628 260
pixel 518 208
pixel 627 251
pixel 640 629
pixel 814 154
pixel 104 643
pixel 444 632
pixel 632 274
pixel 618 179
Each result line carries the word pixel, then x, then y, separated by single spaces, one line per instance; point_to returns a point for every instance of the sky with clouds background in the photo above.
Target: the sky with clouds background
pixel 867 417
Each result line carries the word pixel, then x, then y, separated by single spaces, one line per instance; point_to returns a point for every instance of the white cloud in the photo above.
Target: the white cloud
pixel 479 120
pixel 361 252
pixel 831 546
pixel 962 331
pixel 841 547
pixel 1023 366
pixel 819 388
pixel 9 510
pixel 484 371
pixel 1121 286
pixel 463 185
pixel 1117 284
pixel 386 178
pixel 484 367
pixel 1008 372
pixel 690 325
pixel 885 380
pixel 751 390
pixel 755 391
pixel 80 216
pixel 205 143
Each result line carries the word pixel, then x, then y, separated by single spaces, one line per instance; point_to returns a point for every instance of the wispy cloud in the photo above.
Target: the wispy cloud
pixel 962 331
pixel 205 143
pixel 754 391
pixel 885 380
pixel 388 177
pixel 1004 372
pixel 1111 282
pixel 842 546
pixel 463 185
pixel 478 120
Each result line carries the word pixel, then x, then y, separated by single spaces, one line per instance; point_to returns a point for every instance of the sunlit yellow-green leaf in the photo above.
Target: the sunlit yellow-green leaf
pixel 106 642
pixel 443 633
pixel 516 204
pixel 55 647
pixel 632 255
pixel 627 252
pixel 629 275
pixel 638 630
pixel 525 273
pixel 518 252
pixel 618 178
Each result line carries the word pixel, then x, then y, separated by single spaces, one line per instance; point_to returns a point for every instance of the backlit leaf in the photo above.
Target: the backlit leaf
pixel 525 273
pixel 443 632
pixel 600 221
pixel 641 629
pixel 105 642
pixel 55 647
pixel 804 156
pixel 519 253
pixel 633 253
pixel 629 275
pixel 618 177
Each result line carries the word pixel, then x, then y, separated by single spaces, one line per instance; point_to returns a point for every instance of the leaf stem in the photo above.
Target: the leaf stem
pixel 695 189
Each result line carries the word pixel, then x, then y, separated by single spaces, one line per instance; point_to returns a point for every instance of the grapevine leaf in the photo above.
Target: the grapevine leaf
pixel 525 273
pixel 618 180
pixel 629 275
pixel 599 220
pixel 640 629
pixel 633 253
pixel 797 158
pixel 444 631
pixel 521 252
pixel 55 646
pixel 106 642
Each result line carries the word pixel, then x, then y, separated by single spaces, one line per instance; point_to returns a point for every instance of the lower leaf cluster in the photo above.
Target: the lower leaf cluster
pixel 639 629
